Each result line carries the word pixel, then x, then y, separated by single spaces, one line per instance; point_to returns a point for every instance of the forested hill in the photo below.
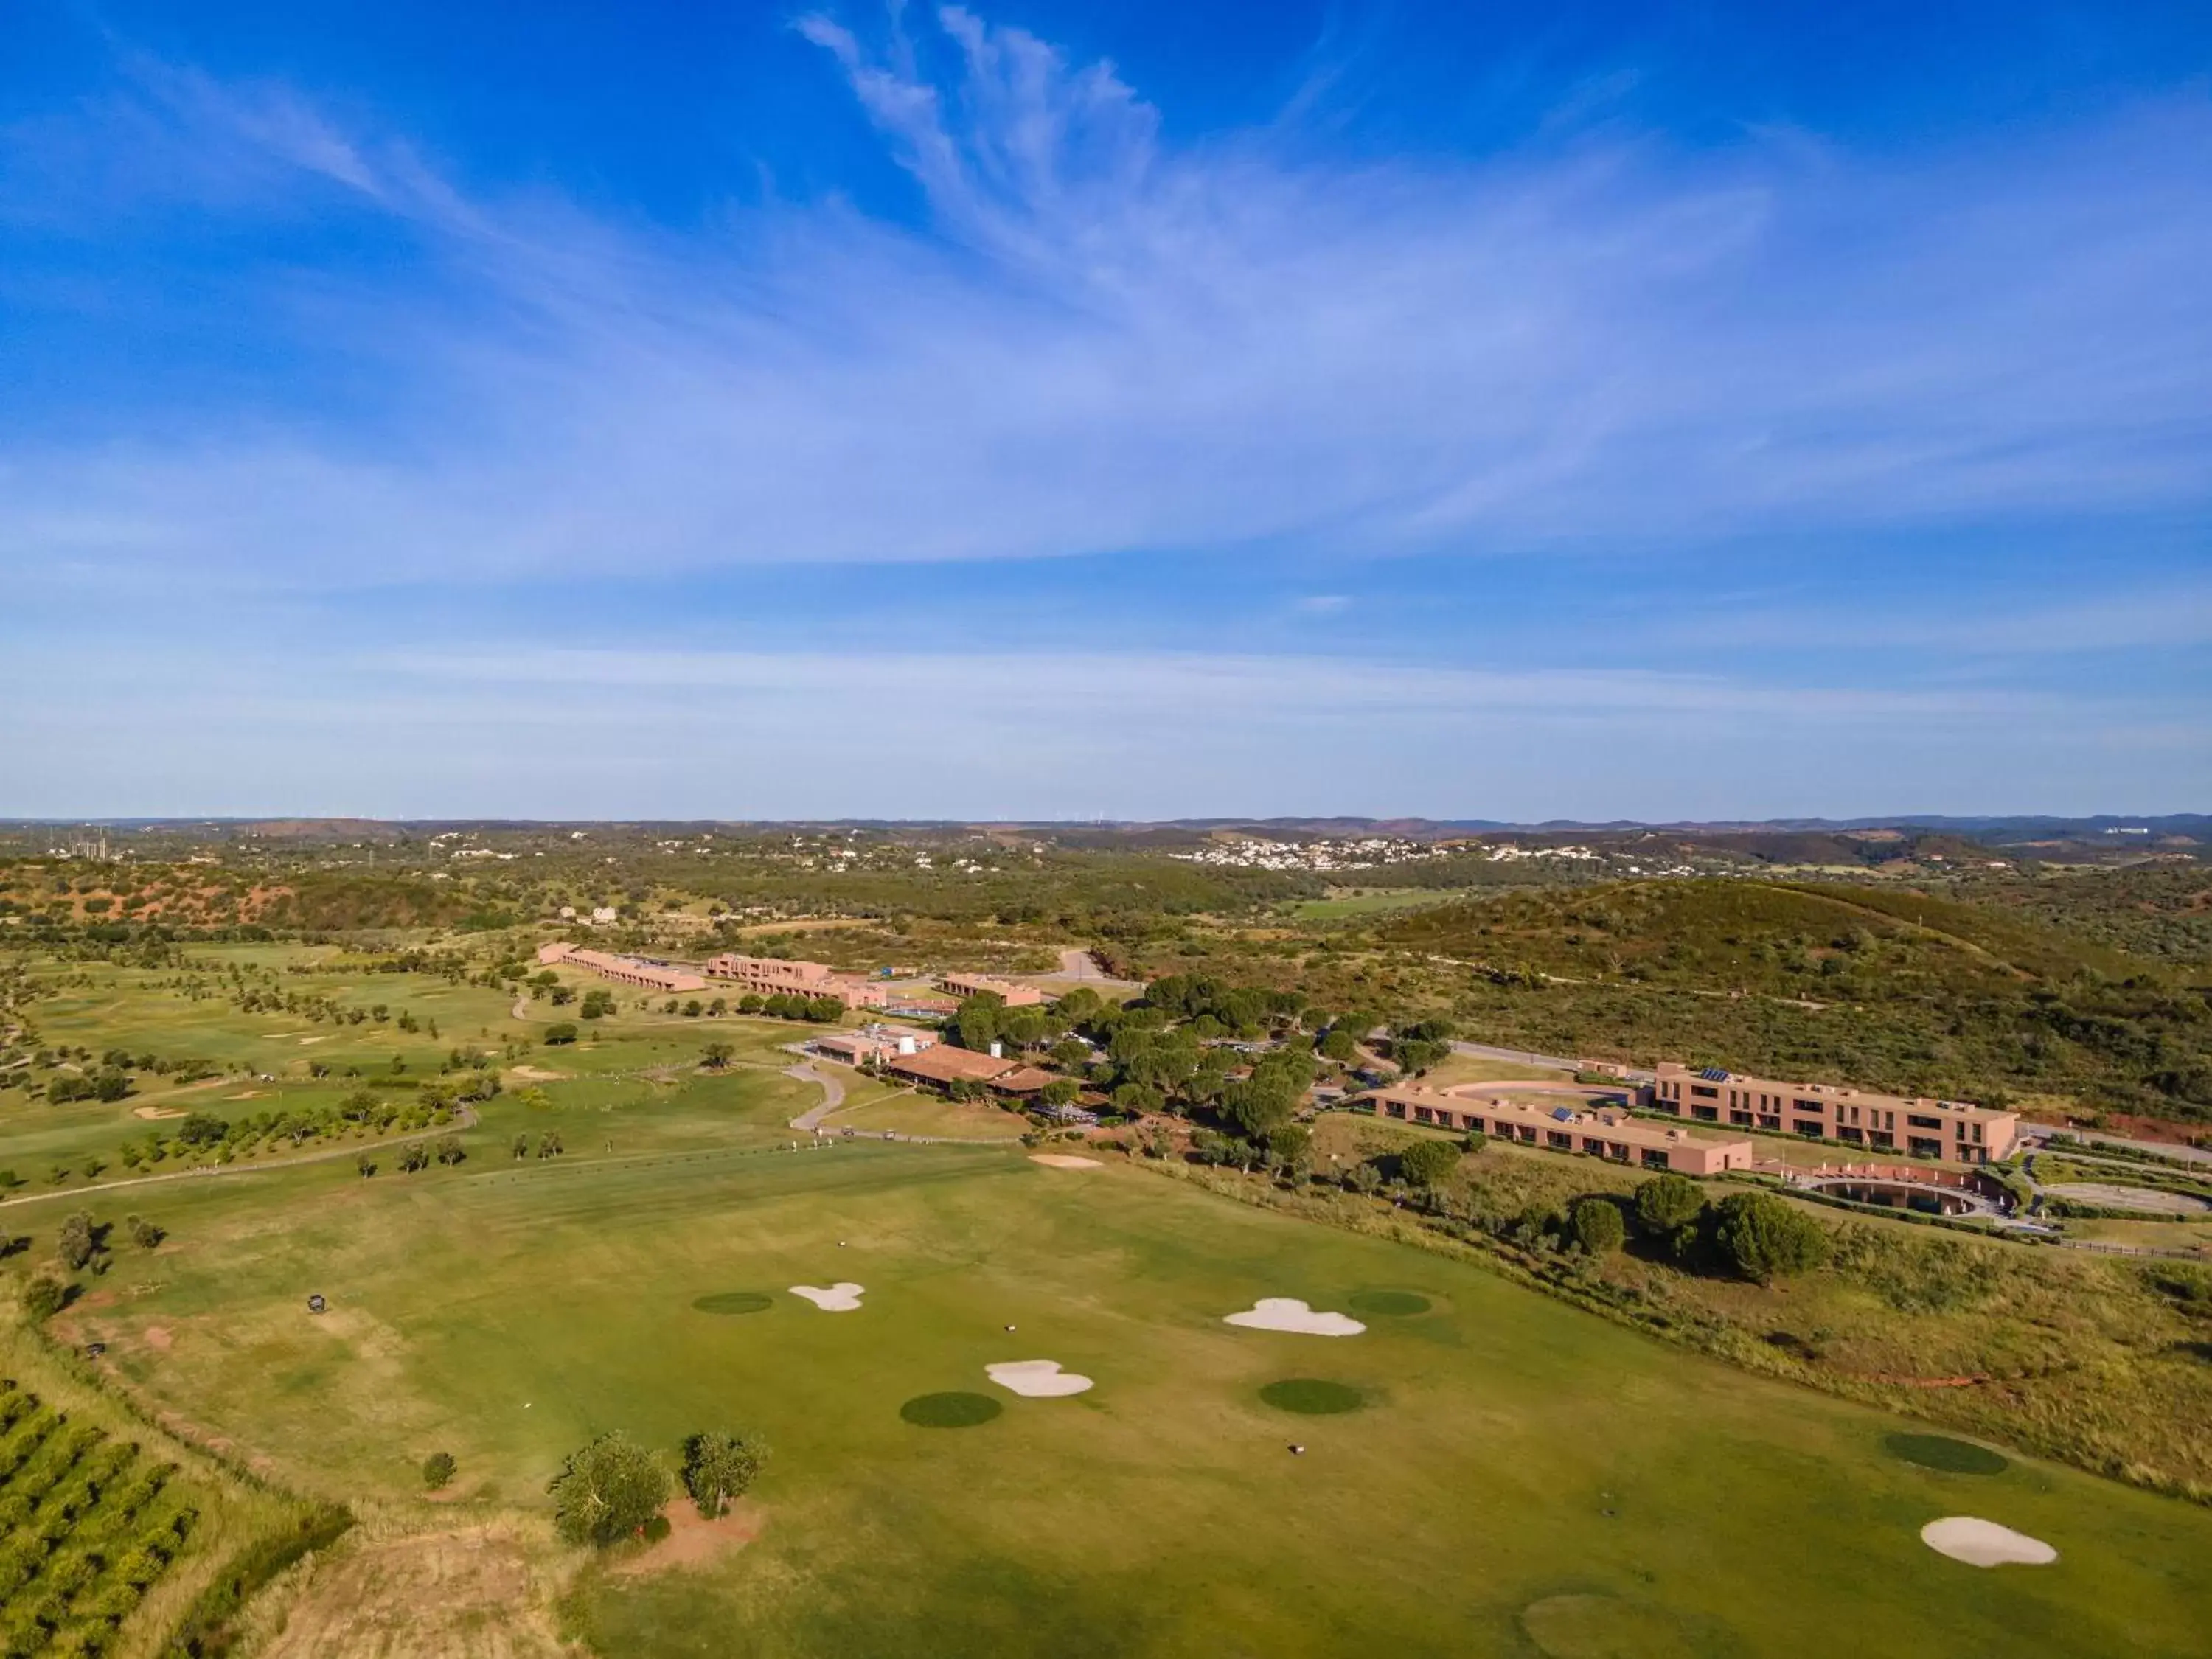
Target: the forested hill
pixel 1883 985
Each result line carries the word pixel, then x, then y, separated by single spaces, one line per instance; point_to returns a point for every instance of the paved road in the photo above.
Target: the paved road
pixel 2041 1133
pixel 833 1095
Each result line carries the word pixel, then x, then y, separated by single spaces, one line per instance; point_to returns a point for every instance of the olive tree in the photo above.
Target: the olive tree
pixel 717 1467
pixel 607 1490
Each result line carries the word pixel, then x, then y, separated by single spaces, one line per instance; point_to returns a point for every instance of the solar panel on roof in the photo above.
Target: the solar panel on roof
pixel 1715 1075
pixel 1565 1114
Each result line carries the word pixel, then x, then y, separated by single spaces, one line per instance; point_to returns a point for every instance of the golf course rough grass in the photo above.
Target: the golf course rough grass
pixel 949 1411
pixel 1389 1304
pixel 1313 1396
pixel 1598 1627
pixel 1941 1452
pixel 734 1302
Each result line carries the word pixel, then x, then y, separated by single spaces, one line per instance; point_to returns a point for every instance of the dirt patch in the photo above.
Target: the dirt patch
pixel 693 1540
pixel 150 1114
pixel 467 1595
pixel 159 1339
pixel 1065 1161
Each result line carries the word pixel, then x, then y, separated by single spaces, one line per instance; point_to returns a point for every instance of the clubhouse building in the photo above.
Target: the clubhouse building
pixel 626 970
pixel 880 1043
pixel 1956 1129
pixel 1606 1132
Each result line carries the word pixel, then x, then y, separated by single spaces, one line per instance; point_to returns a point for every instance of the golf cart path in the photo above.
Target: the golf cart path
pixel 833 1094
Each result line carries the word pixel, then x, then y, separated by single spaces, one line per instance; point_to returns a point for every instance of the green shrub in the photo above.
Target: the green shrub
pixel 43 1297
pixel 1763 1239
pixel 1597 1225
pixel 1667 1203
pixel 1428 1163
pixel 438 1471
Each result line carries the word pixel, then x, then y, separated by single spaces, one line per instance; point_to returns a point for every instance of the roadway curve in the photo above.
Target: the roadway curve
pixel 833 1095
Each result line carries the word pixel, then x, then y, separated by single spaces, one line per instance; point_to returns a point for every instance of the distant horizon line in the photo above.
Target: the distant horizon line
pixel 2155 821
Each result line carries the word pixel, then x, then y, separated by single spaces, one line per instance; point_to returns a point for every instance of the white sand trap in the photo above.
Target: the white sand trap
pixel 843 1297
pixel 1284 1313
pixel 1984 1543
pixel 1065 1161
pixel 1037 1379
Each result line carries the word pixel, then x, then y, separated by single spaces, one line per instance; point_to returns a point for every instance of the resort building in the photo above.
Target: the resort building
pixel 1600 1132
pixel 1954 1129
pixel 628 970
pixel 972 985
pixel 774 977
pixel 881 1043
pixel 941 1065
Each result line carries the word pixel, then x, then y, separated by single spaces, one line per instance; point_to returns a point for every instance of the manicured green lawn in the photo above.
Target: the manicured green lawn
pixel 1510 1452
pixel 1516 1477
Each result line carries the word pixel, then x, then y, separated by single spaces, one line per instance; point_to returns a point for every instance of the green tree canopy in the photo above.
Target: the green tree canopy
pixel 1428 1163
pixel 1597 1225
pixel 1763 1239
pixel 1667 1203
pixel 717 1467
pixel 607 1490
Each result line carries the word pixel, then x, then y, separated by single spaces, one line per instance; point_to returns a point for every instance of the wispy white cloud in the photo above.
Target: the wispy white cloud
pixel 623 732
pixel 1101 341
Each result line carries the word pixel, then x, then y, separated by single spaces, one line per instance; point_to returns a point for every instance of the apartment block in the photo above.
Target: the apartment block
pixel 773 975
pixel 970 984
pixel 627 970
pixel 1956 1129
pixel 1599 1132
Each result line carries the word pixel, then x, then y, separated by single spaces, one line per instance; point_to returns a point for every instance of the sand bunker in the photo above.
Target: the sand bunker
pixel 1984 1543
pixel 1037 1379
pixel 841 1298
pixel 1065 1161
pixel 152 1113
pixel 1284 1313
pixel 536 1074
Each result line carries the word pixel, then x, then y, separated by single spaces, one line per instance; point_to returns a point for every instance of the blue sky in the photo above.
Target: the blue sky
pixel 1121 410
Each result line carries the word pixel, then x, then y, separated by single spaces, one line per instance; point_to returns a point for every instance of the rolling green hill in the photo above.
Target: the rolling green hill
pixel 1887 986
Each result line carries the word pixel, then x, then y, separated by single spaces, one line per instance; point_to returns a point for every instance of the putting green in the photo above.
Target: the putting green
pixel 1389 1304
pixel 949 1411
pixel 1312 1396
pixel 734 1302
pixel 1941 1452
